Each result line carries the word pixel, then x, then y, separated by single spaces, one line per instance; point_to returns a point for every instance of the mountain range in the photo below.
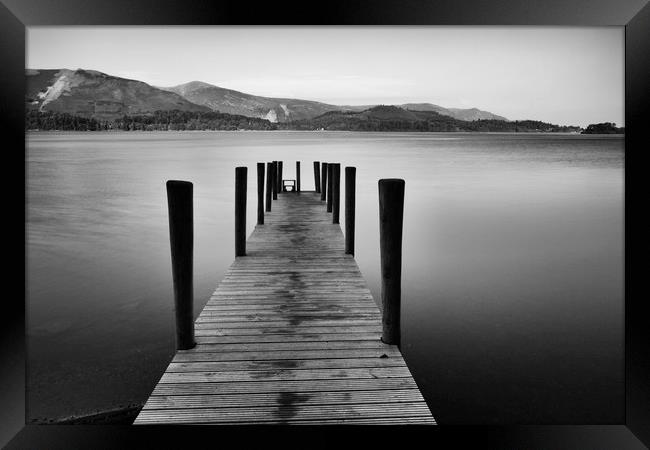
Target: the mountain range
pixel 93 94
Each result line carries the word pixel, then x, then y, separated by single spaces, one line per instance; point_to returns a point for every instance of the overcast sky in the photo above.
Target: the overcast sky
pixel 563 75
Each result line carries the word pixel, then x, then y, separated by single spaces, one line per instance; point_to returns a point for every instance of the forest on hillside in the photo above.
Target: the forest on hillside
pixel 374 119
pixel 603 128
pixel 157 121
pixel 392 118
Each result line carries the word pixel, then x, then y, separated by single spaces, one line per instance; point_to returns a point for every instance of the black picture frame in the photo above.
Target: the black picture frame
pixel 16 14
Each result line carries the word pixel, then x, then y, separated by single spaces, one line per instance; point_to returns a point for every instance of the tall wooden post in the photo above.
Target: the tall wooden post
pixel 269 186
pixel 317 176
pixel 297 176
pixel 275 180
pixel 323 190
pixel 260 193
pixel 336 193
pixel 241 175
pixel 391 215
pixel 330 183
pixel 181 239
pixel 280 187
pixel 350 199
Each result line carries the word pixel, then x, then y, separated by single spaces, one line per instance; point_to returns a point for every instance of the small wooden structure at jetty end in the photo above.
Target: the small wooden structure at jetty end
pixel 292 334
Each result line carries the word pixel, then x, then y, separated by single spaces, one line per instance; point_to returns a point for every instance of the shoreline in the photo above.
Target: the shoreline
pixel 118 416
pixel 561 133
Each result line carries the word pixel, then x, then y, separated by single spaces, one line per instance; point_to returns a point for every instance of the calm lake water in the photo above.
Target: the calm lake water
pixel 512 271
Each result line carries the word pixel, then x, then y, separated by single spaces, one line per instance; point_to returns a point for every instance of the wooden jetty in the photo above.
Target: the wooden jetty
pixel 290 336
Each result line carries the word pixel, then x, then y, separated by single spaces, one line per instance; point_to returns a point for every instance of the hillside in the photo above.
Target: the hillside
pixel 457 113
pixel 235 102
pixel 393 118
pixel 379 118
pixel 603 128
pixel 173 120
pixel 92 94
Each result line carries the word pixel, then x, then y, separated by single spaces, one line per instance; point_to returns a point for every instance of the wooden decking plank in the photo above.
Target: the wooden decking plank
pixel 291 410
pixel 279 374
pixel 286 355
pixel 265 310
pixel 324 332
pixel 271 399
pixel 298 386
pixel 268 345
pixel 305 322
pixel 325 363
pixel 297 338
pixel 369 421
pixel 366 421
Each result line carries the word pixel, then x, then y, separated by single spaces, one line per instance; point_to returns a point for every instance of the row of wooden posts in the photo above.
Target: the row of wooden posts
pixel 327 183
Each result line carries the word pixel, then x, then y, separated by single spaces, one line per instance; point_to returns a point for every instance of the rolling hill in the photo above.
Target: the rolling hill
pixel 394 118
pixel 92 94
pixel 235 102
pixel 457 113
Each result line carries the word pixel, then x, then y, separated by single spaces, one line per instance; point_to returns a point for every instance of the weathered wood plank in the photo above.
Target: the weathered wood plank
pixel 275 398
pixel 269 344
pixel 218 322
pixel 263 310
pixel 286 354
pixel 291 410
pixel 293 338
pixel 367 421
pixel 324 332
pixel 279 374
pixel 325 363
pixel 350 384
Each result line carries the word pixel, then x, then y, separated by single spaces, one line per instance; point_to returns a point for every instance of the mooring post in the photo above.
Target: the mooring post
pixel 330 184
pixel 260 193
pixel 297 176
pixel 280 187
pixel 391 215
pixel 317 176
pixel 269 187
pixel 275 180
pixel 323 190
pixel 241 174
pixel 350 186
pixel 336 193
pixel 181 239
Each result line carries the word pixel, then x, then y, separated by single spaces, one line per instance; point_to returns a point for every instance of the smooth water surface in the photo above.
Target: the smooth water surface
pixel 512 273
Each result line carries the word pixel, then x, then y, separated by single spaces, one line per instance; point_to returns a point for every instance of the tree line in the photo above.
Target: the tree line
pixel 334 120
pixel 434 123
pixel 156 121
pixel 604 128
pixel 50 120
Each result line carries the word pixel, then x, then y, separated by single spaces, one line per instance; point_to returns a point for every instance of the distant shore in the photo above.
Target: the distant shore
pixel 572 133
pixel 380 118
